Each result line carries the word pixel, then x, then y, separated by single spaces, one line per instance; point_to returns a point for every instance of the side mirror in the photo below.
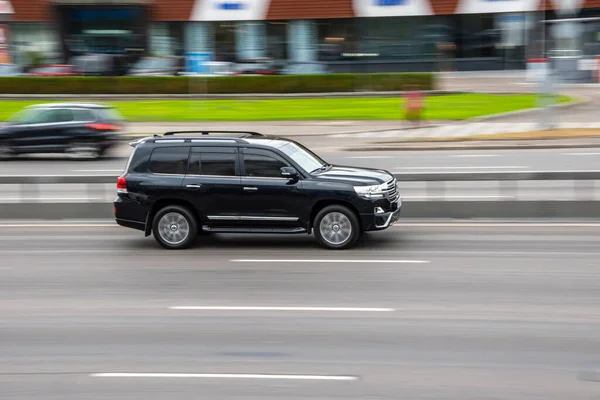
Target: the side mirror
pixel 289 172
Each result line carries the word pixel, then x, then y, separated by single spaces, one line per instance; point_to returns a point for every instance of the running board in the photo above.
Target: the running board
pixel 206 228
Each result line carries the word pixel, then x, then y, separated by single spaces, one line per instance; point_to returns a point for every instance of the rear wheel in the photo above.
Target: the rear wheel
pixel 174 227
pixel 336 227
pixel 84 151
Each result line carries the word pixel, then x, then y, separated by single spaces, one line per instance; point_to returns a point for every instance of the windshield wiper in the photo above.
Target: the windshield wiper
pixel 322 168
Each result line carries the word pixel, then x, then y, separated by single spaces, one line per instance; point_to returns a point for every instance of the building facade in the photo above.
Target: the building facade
pixel 349 35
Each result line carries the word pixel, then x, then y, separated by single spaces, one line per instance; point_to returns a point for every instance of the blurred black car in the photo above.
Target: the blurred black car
pixel 83 131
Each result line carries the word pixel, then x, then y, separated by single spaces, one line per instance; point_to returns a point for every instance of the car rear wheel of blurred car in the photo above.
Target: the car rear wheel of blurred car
pixel 84 151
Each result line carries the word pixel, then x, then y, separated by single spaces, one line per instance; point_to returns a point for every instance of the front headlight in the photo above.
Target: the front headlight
pixel 371 192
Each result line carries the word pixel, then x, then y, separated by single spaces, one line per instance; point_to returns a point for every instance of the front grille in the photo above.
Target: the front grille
pixel 391 190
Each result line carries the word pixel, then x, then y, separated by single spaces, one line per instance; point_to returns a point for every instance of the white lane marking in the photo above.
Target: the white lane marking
pixel 581 154
pixel 456 197
pixel 474 155
pixel 223 376
pixel 369 157
pixel 97 170
pixel 58 225
pixel 333 309
pixel 49 199
pixel 497 224
pixel 267 260
pixel 468 167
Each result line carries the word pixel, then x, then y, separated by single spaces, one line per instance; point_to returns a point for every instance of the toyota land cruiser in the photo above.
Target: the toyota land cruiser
pixel 179 185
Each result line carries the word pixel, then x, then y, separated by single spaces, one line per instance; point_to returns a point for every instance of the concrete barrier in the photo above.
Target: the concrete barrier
pixel 410 209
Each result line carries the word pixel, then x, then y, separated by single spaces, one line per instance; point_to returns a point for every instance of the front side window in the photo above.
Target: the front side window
pixel 263 166
pixel 213 164
pixel 169 160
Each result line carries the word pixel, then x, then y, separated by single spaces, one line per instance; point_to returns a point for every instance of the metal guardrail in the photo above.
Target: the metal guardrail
pixel 435 182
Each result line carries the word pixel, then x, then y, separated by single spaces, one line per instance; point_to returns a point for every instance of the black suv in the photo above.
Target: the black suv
pixel 243 182
pixel 84 131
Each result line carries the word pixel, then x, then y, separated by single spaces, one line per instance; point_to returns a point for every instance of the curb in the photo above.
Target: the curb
pixel 478 146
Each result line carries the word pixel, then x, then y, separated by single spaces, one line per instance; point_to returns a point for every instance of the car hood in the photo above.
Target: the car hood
pixel 354 176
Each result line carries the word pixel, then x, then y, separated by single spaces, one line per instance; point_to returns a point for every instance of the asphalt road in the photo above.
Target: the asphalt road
pixel 396 162
pixel 443 311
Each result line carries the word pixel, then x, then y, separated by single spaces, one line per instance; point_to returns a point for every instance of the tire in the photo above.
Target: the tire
pixel 174 227
pixel 5 152
pixel 336 227
pixel 84 151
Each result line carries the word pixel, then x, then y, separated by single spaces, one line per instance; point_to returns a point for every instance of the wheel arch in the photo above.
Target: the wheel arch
pixel 159 204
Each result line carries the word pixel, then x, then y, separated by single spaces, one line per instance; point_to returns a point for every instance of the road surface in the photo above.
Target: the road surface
pixel 439 311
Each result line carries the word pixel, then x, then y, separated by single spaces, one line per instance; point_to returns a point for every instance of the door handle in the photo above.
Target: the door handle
pixel 193 186
pixel 250 189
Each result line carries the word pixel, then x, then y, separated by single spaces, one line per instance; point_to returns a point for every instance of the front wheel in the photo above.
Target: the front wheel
pixel 174 227
pixel 336 227
pixel 5 152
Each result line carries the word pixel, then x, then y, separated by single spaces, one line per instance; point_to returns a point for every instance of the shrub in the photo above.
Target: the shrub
pixel 166 85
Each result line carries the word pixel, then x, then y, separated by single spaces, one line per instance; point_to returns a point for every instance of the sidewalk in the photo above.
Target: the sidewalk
pixel 466 129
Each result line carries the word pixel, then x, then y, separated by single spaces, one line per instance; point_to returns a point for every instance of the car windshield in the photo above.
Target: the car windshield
pixel 305 158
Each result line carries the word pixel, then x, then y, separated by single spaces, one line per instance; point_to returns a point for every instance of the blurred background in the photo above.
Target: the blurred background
pixel 279 36
pixel 485 111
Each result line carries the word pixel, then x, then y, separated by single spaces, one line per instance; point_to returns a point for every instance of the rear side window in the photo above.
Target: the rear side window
pixel 63 115
pixel 84 115
pixel 215 164
pixel 110 114
pixel 169 160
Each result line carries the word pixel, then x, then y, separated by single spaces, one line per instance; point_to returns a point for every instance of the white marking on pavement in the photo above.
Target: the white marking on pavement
pixel 474 155
pixel 58 225
pixel 497 224
pixel 333 309
pixel 223 376
pixel 97 170
pixel 369 157
pixel 581 154
pixel 49 199
pixel 469 167
pixel 456 197
pixel 266 260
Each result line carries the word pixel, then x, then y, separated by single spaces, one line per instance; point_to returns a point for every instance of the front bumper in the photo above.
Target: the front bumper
pixel 380 219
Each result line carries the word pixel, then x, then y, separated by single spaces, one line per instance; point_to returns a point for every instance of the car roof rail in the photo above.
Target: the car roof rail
pixel 241 134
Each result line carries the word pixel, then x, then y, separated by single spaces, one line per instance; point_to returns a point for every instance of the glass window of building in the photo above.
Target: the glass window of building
pixel 277 43
pixel 225 41
pixel 337 39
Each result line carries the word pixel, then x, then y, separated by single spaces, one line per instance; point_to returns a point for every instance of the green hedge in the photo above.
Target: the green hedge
pixel 216 85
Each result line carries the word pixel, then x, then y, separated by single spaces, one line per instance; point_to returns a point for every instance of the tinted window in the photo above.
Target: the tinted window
pixel 63 115
pixel 110 114
pixel 84 115
pixel 263 166
pixel 221 164
pixel 308 160
pixel 169 160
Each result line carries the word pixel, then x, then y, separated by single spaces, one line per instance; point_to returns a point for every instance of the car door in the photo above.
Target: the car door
pixel 268 198
pixel 213 184
pixel 36 134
